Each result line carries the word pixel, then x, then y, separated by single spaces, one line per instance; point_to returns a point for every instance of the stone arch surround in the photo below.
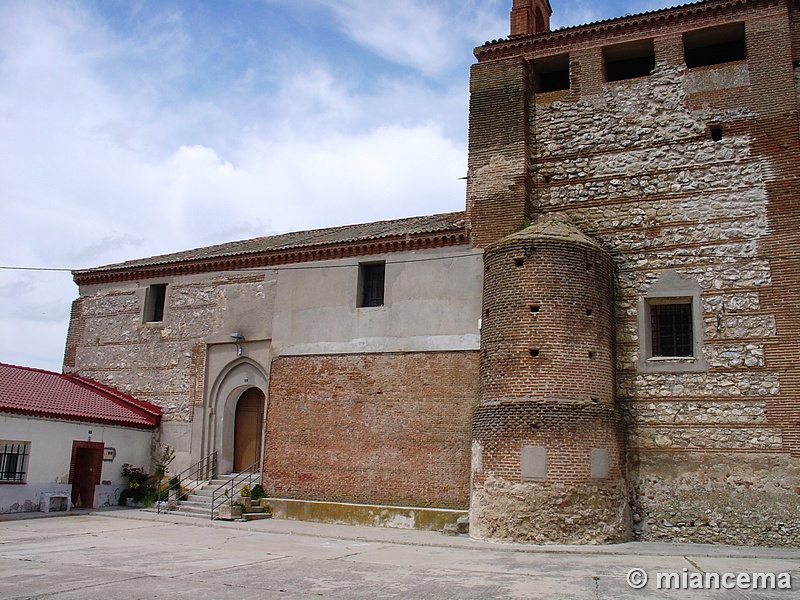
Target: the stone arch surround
pixel 237 377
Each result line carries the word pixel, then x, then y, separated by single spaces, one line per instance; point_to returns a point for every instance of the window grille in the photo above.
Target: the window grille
pixel 372 284
pixel 13 461
pixel 671 329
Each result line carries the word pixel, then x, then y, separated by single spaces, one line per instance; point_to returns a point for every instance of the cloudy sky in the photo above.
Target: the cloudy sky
pixel 130 128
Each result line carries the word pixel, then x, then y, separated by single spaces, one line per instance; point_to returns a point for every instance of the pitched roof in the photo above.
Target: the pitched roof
pixel 39 393
pixel 454 222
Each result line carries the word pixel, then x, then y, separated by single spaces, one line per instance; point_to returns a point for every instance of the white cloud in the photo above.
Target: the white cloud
pixel 106 155
pixel 428 36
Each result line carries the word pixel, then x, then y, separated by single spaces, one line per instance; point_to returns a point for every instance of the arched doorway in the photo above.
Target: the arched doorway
pixel 247 429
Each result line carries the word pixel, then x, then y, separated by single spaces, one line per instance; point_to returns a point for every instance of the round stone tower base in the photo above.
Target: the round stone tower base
pixel 594 512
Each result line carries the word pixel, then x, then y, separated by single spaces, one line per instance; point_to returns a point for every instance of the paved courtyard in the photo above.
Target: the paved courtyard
pixel 132 554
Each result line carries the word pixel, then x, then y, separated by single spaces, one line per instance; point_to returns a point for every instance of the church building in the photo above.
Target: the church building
pixel 603 346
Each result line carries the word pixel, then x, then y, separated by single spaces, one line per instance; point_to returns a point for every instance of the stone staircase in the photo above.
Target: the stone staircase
pixel 198 502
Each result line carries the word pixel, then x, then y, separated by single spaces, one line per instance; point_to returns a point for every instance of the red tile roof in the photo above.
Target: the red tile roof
pixel 39 393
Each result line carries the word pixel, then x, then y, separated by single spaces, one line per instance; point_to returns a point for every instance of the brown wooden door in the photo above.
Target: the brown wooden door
pixel 85 471
pixel 247 436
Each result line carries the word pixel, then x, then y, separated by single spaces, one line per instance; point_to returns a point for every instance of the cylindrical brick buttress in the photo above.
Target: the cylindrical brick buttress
pixel 548 448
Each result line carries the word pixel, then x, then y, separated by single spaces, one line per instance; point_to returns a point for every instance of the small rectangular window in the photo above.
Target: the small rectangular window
pixel 371 284
pixel 671 330
pixel 630 60
pixel 714 45
pixel 552 73
pixel 155 301
pixel 13 461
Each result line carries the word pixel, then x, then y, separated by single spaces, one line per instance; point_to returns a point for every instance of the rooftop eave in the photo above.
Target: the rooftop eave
pixel 75 418
pixel 514 46
pixel 274 258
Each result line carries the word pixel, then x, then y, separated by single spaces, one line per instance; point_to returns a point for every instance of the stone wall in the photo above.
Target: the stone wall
pixel 689 175
pixel 157 362
pixel 635 167
pixel 742 499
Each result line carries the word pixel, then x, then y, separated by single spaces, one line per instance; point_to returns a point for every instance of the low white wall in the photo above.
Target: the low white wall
pixel 50 452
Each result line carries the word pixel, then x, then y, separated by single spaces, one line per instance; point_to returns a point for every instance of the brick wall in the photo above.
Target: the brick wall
pixel 372 428
pixel 553 298
pixel 498 188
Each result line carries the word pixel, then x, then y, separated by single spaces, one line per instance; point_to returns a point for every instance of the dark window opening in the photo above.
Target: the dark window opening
pixel 671 329
pixel 714 45
pixel 628 61
pixel 519 262
pixel 535 308
pixel 552 73
pixel 534 352
pixel 155 303
pixel 12 461
pixel 373 277
pixel 716 133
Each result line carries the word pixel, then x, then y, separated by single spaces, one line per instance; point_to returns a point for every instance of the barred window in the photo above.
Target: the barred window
pixel 371 283
pixel 671 329
pixel 13 461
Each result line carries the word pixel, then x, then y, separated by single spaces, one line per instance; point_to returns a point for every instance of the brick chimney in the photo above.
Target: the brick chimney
pixel 530 17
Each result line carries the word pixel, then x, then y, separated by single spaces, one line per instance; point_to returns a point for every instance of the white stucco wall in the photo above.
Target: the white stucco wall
pixel 50 452
pixel 432 302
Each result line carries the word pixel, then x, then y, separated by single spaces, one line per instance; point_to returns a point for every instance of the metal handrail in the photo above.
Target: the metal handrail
pixel 204 469
pixel 219 497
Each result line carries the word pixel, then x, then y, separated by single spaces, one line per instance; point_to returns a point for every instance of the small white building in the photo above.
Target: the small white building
pixel 64 439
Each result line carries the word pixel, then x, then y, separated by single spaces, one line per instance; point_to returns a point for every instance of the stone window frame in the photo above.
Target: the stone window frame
pixel 671 288
pixel 156 297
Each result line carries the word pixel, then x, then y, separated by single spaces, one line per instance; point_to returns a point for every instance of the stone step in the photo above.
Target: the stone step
pixel 256 516
pixel 192 511
pixel 199 498
pixel 199 505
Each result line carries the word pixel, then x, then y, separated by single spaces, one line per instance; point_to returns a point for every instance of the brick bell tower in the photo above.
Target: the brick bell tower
pixel 548 448
pixel 530 17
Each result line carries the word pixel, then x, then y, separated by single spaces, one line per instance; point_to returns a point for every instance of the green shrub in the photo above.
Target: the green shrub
pixel 257 493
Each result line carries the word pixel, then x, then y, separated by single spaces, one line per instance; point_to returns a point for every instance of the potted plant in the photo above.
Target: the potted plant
pixel 244 494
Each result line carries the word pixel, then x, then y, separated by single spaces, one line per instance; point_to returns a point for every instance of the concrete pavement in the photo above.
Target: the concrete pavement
pixel 131 554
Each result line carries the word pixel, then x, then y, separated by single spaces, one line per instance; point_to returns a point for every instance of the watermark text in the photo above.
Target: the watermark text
pixel 695 580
